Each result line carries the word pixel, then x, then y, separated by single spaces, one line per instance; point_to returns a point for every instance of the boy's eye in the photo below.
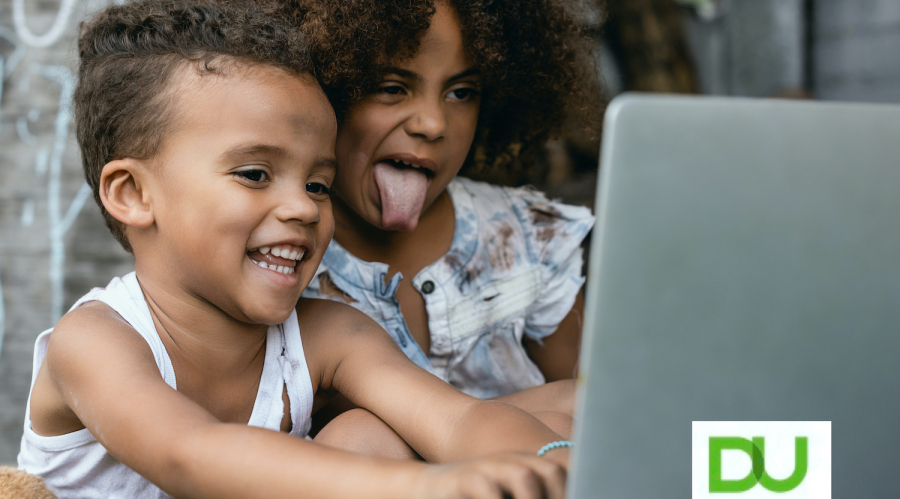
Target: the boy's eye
pixel 253 175
pixel 317 188
pixel 463 94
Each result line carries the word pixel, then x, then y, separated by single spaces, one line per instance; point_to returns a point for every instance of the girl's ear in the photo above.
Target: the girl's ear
pixel 123 193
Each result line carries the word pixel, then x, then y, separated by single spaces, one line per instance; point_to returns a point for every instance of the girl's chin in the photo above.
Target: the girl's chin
pixel 401 226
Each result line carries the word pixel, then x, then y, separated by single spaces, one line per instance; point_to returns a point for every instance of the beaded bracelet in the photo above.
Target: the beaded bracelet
pixel 554 445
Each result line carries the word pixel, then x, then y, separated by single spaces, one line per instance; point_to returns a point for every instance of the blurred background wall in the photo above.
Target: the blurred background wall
pixel 54 246
pixel 817 49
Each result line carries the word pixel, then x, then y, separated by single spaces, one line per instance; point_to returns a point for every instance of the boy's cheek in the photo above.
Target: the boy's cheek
pixel 324 234
pixel 328 214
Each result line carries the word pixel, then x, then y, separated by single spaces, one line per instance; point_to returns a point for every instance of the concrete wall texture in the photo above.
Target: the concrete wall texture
pixel 54 246
pixel 836 49
pixel 750 48
pixel 857 43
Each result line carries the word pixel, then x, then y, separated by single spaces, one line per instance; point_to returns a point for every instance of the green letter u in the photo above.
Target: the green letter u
pixel 789 483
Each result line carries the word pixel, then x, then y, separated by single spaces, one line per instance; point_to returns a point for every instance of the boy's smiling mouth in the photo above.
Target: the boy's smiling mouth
pixel 282 258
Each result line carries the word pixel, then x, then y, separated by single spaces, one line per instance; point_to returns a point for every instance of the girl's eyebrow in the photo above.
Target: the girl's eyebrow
pixel 469 72
pixel 405 73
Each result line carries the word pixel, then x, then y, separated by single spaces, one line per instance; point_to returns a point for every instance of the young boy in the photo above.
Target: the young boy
pixel 210 150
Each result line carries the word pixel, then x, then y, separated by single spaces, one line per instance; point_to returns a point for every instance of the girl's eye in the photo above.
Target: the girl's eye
pixel 463 94
pixel 317 188
pixel 390 89
pixel 253 175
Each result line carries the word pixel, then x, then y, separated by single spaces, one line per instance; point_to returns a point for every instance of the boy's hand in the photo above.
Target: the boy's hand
pixel 515 475
pixel 559 455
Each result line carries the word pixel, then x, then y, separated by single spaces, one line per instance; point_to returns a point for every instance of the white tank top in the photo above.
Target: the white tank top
pixel 75 465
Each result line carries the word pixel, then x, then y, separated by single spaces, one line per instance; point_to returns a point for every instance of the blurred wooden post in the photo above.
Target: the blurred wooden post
pixel 648 41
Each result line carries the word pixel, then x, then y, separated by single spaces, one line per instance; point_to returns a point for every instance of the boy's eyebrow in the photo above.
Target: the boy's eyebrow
pixel 244 150
pixel 415 76
pixel 327 163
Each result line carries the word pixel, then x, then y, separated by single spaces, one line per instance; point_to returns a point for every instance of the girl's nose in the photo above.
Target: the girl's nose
pixel 428 120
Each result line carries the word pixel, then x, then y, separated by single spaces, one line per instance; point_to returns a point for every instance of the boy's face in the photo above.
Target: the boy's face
pixel 243 179
pixel 400 147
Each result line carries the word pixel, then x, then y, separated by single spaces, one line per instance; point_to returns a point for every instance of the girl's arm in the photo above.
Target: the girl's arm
pixel 105 373
pixel 557 354
pixel 438 421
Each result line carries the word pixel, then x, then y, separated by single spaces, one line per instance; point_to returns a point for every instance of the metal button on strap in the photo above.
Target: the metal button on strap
pixel 427 287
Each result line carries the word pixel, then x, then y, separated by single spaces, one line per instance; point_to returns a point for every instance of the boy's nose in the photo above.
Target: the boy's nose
pixel 428 120
pixel 298 207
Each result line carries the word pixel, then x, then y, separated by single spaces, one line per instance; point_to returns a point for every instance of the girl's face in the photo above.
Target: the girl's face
pixel 399 148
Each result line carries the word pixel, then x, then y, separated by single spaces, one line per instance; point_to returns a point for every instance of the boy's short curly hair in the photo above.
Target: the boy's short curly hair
pixel 533 55
pixel 130 53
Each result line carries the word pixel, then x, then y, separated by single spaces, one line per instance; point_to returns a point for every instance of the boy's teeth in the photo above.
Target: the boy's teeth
pixel 276 268
pixel 287 253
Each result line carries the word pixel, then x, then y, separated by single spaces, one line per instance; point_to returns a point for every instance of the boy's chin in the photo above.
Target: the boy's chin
pixel 269 317
pixel 270 310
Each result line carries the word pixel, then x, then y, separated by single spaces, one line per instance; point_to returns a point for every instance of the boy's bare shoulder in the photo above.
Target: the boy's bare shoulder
pixel 94 317
pixel 87 351
pixel 326 316
pixel 92 331
pixel 333 331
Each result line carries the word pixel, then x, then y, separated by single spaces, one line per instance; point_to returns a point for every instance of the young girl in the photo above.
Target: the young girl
pixel 477 283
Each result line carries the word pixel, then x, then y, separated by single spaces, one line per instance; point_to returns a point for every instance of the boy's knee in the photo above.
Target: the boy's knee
pixel 565 396
pixel 556 421
pixel 564 390
pixel 360 431
pixel 556 396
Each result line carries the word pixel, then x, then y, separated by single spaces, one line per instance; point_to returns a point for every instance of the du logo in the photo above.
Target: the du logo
pixel 761 459
pixel 756 449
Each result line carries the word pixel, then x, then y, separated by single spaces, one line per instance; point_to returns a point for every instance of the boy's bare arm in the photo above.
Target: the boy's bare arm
pixel 557 354
pixel 106 374
pixel 441 423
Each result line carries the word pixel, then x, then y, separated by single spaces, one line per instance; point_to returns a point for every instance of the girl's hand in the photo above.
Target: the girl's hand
pixel 514 475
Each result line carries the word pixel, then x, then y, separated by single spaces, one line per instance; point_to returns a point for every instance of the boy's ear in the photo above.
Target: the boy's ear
pixel 124 194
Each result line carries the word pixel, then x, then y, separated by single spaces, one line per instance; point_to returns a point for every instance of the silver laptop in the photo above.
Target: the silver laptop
pixel 745 266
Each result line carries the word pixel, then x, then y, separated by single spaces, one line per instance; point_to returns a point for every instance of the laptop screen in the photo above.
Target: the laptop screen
pixel 745 267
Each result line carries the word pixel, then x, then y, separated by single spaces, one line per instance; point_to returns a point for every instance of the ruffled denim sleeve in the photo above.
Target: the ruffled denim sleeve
pixel 554 233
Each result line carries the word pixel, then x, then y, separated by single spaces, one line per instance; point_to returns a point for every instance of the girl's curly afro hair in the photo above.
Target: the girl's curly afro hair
pixel 533 55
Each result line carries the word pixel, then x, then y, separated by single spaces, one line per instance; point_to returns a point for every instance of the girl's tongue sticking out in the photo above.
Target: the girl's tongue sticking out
pixel 402 195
